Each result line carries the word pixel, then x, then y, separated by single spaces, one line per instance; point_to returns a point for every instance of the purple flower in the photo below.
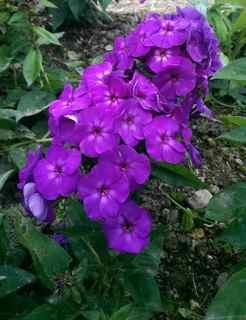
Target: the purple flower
pixel 97 132
pixel 119 57
pixel 131 122
pixel 177 79
pixel 192 151
pixel 35 205
pixel 136 40
pixel 26 173
pixel 57 175
pixel 134 166
pixel 65 130
pixel 111 95
pixel 129 231
pixel 145 92
pixel 69 101
pixel 170 33
pixel 196 46
pixel 162 140
pixel 103 190
pixel 161 58
pixel 96 74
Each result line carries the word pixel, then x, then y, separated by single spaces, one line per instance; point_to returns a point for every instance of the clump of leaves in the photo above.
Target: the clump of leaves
pixel 84 12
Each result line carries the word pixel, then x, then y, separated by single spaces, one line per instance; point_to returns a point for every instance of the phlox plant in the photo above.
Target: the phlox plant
pixel 91 243
pixel 133 108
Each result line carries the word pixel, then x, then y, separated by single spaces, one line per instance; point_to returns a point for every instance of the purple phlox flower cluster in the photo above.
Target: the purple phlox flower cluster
pixel 142 94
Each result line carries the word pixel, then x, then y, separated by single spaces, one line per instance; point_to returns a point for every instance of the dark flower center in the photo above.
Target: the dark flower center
pixel 124 165
pixel 58 170
pixel 129 119
pixel 127 226
pixel 104 191
pixel 97 130
pixel 174 76
pixel 163 137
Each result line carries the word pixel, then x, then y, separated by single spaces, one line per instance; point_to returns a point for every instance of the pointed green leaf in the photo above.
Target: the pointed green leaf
pixel 47 37
pixel 235 70
pixel 32 65
pixel 4 177
pixel 176 175
pixel 32 103
pixel 229 303
pixel 50 259
pixel 12 279
pixel 122 314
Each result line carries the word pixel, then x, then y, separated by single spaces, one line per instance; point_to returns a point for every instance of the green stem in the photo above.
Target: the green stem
pixel 24 143
pixel 93 251
pixel 178 205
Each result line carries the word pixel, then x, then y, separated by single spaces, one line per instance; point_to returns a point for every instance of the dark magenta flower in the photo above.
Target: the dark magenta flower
pixel 177 79
pixel 131 122
pixel 69 101
pixel 129 231
pixel 103 190
pixel 135 166
pixel 162 141
pixel 111 95
pixel 35 205
pixel 26 173
pixel 57 175
pixel 97 132
pixel 161 58
pixel 169 33
pixel 145 92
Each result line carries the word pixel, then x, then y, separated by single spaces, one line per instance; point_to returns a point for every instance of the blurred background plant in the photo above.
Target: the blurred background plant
pixel 83 12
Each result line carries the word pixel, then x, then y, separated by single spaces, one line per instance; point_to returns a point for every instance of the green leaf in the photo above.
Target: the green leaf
pixel 105 3
pixel 144 290
pixel 229 303
pixel 235 233
pixel 122 314
pixel 76 7
pixel 235 70
pixel 240 24
pixel 18 156
pixel 32 65
pixel 149 259
pixel 5 58
pixel 4 177
pixel 50 259
pixel 47 4
pixel 33 102
pixel 228 204
pixel 7 118
pixel 235 135
pixel 237 120
pixel 65 311
pixel 12 279
pixel 176 175
pixel 47 37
